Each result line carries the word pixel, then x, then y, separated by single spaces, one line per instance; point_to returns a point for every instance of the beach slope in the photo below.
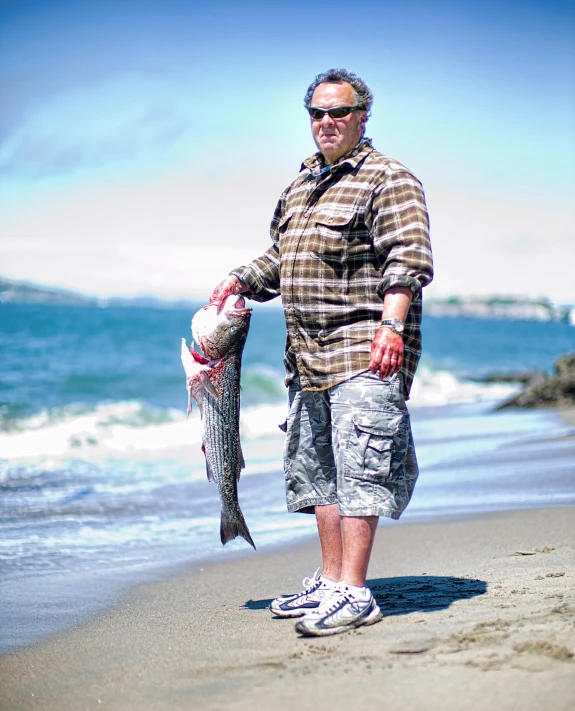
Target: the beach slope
pixel 478 615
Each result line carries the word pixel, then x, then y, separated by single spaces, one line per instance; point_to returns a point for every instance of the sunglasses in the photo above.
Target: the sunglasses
pixel 337 112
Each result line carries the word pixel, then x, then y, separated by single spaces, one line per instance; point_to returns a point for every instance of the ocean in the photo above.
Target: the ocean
pixel 102 479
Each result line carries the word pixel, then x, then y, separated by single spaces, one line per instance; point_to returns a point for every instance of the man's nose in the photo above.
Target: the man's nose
pixel 327 120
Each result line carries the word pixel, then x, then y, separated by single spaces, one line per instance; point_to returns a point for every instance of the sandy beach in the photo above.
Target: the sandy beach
pixel 478 615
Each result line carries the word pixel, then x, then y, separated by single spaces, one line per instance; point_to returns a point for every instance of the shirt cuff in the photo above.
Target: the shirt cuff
pixel 257 290
pixel 393 280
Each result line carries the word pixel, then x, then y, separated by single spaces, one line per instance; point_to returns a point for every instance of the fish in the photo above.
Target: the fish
pixel 213 381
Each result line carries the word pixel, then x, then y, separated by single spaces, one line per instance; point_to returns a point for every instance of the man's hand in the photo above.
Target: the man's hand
pixel 386 355
pixel 230 285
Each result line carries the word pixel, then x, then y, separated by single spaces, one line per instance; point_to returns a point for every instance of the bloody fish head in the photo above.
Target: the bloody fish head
pixel 223 334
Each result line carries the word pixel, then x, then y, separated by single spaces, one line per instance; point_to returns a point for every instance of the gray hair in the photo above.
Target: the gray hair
pixel 363 95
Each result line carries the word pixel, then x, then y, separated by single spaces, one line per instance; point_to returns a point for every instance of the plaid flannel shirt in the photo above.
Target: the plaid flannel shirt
pixel 342 236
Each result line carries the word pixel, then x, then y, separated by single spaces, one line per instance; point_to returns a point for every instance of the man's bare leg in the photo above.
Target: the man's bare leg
pixel 329 529
pixel 358 533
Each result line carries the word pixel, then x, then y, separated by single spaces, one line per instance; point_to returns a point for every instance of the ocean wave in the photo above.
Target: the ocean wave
pixel 133 413
pixel 435 388
pixel 262 385
pixel 135 427
pixel 76 429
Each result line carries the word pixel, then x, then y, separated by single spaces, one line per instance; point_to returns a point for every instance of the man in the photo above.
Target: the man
pixel 350 254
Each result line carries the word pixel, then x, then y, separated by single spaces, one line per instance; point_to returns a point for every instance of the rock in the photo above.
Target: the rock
pixel 565 366
pixel 554 392
pixel 527 378
pixel 558 391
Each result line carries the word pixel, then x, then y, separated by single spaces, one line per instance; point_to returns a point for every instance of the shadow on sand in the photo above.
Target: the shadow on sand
pixel 414 593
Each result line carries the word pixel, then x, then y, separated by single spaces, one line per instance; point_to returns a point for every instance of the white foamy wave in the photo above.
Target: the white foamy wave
pixel 436 388
pixel 132 429
pixel 75 430
pixel 124 429
pixel 263 421
pixel 133 413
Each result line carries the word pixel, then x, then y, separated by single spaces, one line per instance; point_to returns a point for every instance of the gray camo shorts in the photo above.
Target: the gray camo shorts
pixel 351 445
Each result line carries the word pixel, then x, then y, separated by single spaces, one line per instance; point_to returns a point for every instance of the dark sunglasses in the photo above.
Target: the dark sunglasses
pixel 336 112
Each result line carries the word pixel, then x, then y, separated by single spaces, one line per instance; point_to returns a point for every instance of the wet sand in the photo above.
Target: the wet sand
pixel 479 614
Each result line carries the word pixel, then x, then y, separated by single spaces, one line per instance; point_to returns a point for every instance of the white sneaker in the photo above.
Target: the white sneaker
pixel 315 591
pixel 339 613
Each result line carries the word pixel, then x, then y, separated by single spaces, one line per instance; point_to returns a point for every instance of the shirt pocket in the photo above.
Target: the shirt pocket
pixel 343 236
pixel 375 437
pixel 327 242
pixel 283 224
pixel 338 225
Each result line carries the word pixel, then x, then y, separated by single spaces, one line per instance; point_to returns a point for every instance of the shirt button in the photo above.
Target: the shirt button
pixel 288 274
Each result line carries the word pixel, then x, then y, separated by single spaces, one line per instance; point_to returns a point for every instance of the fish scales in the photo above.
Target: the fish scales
pixel 220 425
pixel 222 447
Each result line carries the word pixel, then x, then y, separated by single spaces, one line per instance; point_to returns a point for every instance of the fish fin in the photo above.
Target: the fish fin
pixel 196 393
pixel 187 361
pixel 241 460
pixel 233 525
pixel 209 472
pixel 208 385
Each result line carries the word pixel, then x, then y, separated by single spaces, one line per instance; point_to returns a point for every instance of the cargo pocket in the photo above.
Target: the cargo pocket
pixel 292 429
pixel 373 437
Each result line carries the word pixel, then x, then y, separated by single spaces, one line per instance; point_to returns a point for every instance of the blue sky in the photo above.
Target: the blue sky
pixel 143 145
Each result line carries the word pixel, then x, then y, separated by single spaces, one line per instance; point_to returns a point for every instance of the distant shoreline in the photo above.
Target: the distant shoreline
pixel 500 307
pixel 490 307
pixel 13 292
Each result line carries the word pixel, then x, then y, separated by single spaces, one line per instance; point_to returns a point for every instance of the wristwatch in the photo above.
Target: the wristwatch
pixel 396 324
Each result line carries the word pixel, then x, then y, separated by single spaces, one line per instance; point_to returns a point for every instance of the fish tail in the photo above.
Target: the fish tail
pixel 232 525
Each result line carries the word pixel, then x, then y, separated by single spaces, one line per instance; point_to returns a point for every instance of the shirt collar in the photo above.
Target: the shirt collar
pixel 318 169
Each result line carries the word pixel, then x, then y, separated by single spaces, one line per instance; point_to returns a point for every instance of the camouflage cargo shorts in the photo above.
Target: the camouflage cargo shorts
pixel 351 445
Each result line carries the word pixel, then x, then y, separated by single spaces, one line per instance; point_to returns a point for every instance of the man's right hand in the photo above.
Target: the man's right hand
pixel 230 285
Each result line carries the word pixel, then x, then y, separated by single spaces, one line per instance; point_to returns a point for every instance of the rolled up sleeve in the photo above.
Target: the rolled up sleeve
pixel 400 229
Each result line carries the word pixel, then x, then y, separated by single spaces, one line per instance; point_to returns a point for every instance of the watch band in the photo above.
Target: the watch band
pixel 396 324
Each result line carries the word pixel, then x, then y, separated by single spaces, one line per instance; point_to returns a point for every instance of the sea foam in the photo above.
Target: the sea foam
pixel 133 428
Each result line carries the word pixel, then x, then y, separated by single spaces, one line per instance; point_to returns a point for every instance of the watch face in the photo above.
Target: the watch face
pixel 396 324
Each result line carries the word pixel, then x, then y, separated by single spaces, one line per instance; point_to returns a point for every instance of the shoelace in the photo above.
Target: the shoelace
pixel 335 599
pixel 310 582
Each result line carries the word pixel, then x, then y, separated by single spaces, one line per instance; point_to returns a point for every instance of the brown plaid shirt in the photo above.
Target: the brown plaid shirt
pixel 342 236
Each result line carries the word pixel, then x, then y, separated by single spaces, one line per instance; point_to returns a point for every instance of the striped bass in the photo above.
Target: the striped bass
pixel 213 380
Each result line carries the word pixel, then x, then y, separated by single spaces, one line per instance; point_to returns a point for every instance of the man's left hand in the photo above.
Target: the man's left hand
pixel 386 355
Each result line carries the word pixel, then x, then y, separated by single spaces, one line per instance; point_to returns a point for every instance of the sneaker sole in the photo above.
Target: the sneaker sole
pixel 374 616
pixel 291 613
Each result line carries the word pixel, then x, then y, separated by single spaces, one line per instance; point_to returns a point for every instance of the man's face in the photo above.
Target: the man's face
pixel 335 137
